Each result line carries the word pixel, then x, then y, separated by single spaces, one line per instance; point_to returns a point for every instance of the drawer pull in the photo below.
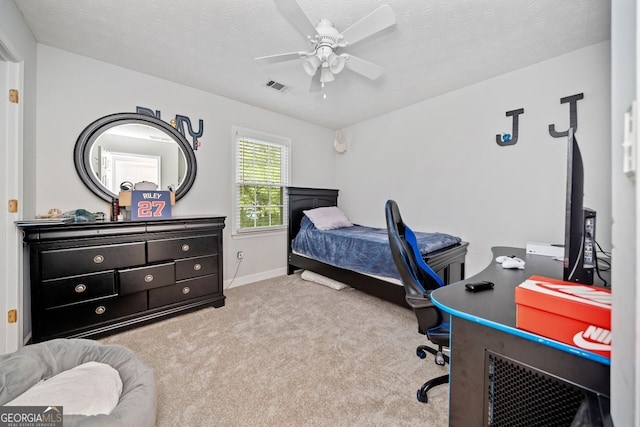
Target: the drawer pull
pixel 100 309
pixel 197 267
pixel 98 259
pixel 148 278
pixel 185 248
pixel 80 288
pixel 186 290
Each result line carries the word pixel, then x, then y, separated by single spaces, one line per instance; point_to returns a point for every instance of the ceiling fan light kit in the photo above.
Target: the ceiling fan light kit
pixel 326 75
pixel 325 40
pixel 336 63
pixel 311 65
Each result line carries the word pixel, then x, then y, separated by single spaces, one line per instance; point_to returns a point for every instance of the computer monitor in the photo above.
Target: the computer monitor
pixel 579 233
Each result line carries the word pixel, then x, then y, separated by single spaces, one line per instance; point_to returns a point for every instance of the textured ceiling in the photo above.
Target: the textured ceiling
pixel 435 46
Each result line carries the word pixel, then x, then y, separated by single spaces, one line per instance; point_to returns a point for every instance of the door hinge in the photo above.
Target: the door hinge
pixel 12 316
pixel 13 206
pixel 14 96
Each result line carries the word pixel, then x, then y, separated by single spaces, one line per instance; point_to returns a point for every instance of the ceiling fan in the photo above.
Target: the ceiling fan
pixel 324 61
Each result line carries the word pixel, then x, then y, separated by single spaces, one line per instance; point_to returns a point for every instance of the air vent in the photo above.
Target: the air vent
pixel 276 86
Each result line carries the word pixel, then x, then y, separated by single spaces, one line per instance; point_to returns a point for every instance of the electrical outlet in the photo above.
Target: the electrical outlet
pixel 240 255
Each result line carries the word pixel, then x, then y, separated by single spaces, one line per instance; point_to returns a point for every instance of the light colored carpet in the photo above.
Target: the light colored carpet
pixel 287 352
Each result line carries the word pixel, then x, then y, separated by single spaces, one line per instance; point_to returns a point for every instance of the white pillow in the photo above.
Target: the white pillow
pixel 328 218
pixel 310 276
pixel 89 389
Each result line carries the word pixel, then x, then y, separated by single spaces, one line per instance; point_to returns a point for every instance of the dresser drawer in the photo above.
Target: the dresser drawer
pixel 77 288
pixel 149 277
pixel 184 290
pixel 89 259
pixel 78 316
pixel 182 247
pixel 195 267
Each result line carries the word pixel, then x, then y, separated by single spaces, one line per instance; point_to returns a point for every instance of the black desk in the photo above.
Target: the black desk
pixel 501 375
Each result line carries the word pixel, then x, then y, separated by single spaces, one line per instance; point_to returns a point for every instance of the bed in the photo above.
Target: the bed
pixel 447 262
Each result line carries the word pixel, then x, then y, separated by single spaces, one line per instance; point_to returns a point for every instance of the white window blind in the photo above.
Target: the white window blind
pixel 261 175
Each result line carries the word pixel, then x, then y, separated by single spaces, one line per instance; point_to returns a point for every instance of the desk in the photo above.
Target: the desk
pixel 501 375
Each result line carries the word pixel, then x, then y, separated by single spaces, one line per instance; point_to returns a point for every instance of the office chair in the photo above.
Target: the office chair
pixel 418 280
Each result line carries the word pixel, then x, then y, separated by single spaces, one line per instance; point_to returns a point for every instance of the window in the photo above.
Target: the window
pixel 261 175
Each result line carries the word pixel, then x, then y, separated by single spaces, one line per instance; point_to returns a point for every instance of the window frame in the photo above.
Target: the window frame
pixel 239 133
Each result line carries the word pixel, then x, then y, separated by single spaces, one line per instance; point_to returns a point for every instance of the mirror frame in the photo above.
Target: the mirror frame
pixel 84 143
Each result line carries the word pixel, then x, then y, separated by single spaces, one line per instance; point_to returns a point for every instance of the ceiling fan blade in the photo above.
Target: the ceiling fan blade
pixel 316 86
pixel 273 59
pixel 360 66
pixel 377 20
pixel 292 11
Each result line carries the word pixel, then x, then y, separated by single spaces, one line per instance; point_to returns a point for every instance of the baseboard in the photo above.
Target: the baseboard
pixel 251 278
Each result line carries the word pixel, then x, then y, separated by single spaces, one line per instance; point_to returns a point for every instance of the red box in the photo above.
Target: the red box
pixel 575 314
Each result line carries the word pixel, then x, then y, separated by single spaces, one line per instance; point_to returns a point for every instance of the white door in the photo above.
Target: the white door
pixel 11 335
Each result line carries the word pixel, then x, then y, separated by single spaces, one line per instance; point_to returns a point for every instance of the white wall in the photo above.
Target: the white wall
pixel 440 161
pixel 625 357
pixel 74 90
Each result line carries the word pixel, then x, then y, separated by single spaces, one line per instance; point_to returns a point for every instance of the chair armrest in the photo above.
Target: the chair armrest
pixel 419 302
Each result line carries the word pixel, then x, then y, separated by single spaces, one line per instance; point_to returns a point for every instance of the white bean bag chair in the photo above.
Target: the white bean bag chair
pixel 74 359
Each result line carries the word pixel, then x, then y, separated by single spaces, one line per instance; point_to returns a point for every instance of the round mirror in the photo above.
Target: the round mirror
pixel 131 148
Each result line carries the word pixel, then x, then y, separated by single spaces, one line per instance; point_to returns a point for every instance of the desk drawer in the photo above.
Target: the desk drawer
pixel 78 316
pixel 90 259
pixel 198 266
pixel 182 247
pixel 149 277
pixel 183 290
pixel 77 288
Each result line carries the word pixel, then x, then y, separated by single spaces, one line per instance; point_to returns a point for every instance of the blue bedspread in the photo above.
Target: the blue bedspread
pixel 359 248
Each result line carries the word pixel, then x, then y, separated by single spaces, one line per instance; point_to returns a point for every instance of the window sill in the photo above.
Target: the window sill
pixel 262 233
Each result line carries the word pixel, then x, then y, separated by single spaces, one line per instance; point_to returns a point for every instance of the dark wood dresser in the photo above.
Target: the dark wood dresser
pixel 89 279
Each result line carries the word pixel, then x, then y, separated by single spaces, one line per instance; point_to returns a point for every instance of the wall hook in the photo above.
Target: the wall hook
pixel 573 115
pixel 512 138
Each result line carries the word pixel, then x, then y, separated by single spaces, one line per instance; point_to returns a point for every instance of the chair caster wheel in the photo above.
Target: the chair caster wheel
pixel 421 353
pixel 439 359
pixel 422 397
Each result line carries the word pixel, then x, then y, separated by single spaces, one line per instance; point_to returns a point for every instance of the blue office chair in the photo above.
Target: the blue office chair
pixel 418 280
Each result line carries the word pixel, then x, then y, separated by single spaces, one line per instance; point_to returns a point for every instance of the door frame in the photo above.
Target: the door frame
pixel 11 120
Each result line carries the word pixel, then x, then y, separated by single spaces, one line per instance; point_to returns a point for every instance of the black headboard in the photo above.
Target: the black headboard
pixel 301 199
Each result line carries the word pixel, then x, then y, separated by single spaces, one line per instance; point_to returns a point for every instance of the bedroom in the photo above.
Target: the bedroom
pixel 477 176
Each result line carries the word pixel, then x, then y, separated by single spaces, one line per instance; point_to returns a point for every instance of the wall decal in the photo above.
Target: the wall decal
pixel 148 112
pixel 178 123
pixel 194 135
pixel 510 138
pixel 573 115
